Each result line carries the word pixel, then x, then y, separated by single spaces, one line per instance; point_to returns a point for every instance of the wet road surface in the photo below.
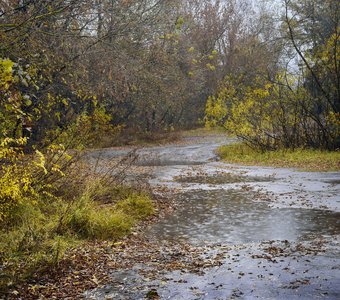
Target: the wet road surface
pixel 257 233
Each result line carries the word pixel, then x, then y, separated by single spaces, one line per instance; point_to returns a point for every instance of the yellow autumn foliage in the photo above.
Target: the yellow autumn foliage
pixel 6 77
pixel 271 115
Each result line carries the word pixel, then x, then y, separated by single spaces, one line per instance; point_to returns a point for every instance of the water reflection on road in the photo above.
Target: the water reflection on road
pixel 221 204
pixel 232 217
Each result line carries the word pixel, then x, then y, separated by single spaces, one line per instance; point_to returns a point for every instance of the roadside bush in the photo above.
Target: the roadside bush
pixel 90 129
pixel 273 115
pixel 47 220
pixel 48 200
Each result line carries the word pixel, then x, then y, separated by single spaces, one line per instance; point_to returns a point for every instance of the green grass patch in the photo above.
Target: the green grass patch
pixel 303 159
pixel 41 232
pixel 91 220
pixel 137 206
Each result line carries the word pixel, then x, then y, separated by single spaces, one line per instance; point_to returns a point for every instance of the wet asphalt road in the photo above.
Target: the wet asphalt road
pixel 274 231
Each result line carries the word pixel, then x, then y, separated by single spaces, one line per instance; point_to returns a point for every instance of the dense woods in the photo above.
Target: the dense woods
pixel 138 64
pixel 296 102
pixel 76 74
pixel 144 65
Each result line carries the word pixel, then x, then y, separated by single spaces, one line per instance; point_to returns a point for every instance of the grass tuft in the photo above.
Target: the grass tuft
pixel 137 205
pixel 89 219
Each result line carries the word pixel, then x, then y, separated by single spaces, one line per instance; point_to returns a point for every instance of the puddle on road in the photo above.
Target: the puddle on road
pixel 231 216
pixel 225 178
pixel 334 181
pixel 162 162
pixel 269 270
